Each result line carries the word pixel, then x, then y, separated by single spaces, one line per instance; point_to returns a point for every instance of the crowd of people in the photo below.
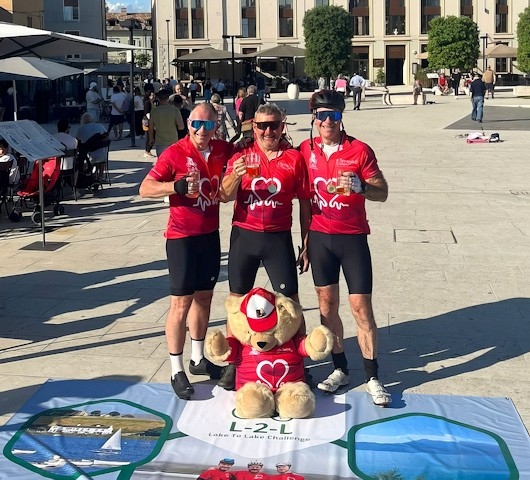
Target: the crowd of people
pixel 331 175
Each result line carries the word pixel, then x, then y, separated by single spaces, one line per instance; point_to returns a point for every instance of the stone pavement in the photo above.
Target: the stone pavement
pixel 450 247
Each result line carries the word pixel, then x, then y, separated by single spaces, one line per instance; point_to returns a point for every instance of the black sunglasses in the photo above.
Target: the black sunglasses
pixel 272 125
pixel 333 115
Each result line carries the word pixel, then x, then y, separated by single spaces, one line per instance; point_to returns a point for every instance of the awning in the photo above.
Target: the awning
pixel 209 54
pixel 501 51
pixel 280 51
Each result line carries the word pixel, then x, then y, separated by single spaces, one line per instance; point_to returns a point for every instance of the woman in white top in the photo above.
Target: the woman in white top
pixel 138 102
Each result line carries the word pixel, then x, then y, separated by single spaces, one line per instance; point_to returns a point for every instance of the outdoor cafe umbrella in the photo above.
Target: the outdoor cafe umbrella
pixel 501 51
pixel 18 40
pixel 32 68
pixel 209 54
pixel 279 51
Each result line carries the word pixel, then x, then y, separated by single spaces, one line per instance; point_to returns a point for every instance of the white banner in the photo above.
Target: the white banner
pixel 143 431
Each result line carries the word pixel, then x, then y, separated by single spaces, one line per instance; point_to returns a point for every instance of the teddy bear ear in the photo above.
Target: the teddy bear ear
pixel 287 304
pixel 233 304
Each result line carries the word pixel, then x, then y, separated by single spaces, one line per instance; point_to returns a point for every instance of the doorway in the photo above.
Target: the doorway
pixel 395 60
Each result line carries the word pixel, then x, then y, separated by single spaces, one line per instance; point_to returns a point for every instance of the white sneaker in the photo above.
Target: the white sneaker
pixel 336 379
pixel 377 391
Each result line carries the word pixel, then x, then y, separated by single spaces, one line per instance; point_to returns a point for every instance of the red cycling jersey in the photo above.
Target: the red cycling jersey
pixel 331 212
pixel 264 204
pixel 244 475
pixel 287 476
pixel 190 217
pixel 273 368
pixel 216 474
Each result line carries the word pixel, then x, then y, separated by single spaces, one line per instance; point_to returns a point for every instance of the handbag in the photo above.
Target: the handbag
pixel 246 126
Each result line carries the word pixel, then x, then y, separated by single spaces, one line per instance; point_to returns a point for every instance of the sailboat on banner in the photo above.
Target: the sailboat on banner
pixel 112 445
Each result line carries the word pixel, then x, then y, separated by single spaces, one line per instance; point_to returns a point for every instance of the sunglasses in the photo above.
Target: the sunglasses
pixel 207 124
pixel 272 125
pixel 333 115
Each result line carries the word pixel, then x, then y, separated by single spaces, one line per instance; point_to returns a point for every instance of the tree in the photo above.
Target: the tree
pixel 328 31
pixel 523 41
pixel 142 59
pixel 453 43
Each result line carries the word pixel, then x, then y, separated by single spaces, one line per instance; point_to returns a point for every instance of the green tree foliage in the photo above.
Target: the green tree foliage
pixel 142 59
pixel 453 43
pixel 328 31
pixel 523 41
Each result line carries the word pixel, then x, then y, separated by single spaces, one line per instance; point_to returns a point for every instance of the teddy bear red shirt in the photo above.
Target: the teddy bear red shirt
pixel 279 365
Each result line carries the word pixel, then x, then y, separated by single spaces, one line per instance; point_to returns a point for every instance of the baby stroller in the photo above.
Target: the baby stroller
pixel 88 152
pixel 51 171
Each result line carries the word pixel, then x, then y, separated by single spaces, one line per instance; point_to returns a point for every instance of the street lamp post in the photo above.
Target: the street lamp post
pixel 233 67
pixel 168 61
pixel 131 24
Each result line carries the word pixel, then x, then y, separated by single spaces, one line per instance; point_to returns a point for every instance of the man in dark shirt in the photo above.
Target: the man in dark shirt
pixel 247 110
pixel 477 90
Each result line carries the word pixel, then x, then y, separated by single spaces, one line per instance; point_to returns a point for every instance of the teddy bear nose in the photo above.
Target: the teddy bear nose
pixel 262 344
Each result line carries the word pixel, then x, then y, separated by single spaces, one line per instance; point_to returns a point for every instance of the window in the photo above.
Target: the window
pixel 321 3
pixel 466 8
pixel 248 18
pixel 430 9
pixel 197 18
pixel 360 12
pixel 395 17
pixel 285 17
pixel 71 10
pixel 501 16
pixel 181 16
pixel 189 13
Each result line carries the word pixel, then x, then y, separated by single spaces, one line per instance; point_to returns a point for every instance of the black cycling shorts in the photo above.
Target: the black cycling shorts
pixel 274 249
pixel 193 263
pixel 328 253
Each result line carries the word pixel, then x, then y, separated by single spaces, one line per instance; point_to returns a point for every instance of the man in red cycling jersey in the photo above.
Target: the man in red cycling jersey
pixel 253 473
pixel 262 220
pixel 343 173
pixel 284 468
pixel 190 172
pixel 219 473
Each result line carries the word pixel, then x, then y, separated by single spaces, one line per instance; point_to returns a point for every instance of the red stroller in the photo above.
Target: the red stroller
pixel 51 171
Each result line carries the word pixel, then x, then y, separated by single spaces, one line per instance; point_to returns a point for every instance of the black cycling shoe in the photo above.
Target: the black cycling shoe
pixel 228 380
pixel 205 367
pixel 182 386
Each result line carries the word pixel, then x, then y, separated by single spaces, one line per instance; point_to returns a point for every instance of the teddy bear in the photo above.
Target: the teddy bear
pixel 268 351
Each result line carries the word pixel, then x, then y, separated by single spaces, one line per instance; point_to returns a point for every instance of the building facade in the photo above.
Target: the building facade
pixel 78 17
pixel 29 13
pixel 141 36
pixel 388 34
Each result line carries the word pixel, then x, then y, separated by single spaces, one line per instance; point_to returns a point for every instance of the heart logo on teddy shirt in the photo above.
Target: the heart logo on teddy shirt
pixel 268 371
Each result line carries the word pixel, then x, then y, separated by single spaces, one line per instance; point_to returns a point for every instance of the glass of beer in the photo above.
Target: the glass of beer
pixel 252 161
pixel 342 188
pixel 193 183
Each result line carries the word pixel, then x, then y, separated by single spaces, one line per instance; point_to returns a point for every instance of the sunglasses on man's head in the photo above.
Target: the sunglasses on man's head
pixel 333 115
pixel 272 125
pixel 207 124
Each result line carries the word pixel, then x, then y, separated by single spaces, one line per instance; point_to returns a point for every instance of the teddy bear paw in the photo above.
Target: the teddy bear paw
pixel 254 400
pixel 295 400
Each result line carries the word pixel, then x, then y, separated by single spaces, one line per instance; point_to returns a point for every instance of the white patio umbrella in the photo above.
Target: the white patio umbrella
pixel 17 40
pixel 32 68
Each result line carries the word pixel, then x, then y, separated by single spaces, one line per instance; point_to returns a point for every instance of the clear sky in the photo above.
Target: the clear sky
pixel 133 6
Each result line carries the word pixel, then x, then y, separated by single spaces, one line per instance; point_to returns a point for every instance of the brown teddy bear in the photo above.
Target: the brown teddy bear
pixel 268 353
